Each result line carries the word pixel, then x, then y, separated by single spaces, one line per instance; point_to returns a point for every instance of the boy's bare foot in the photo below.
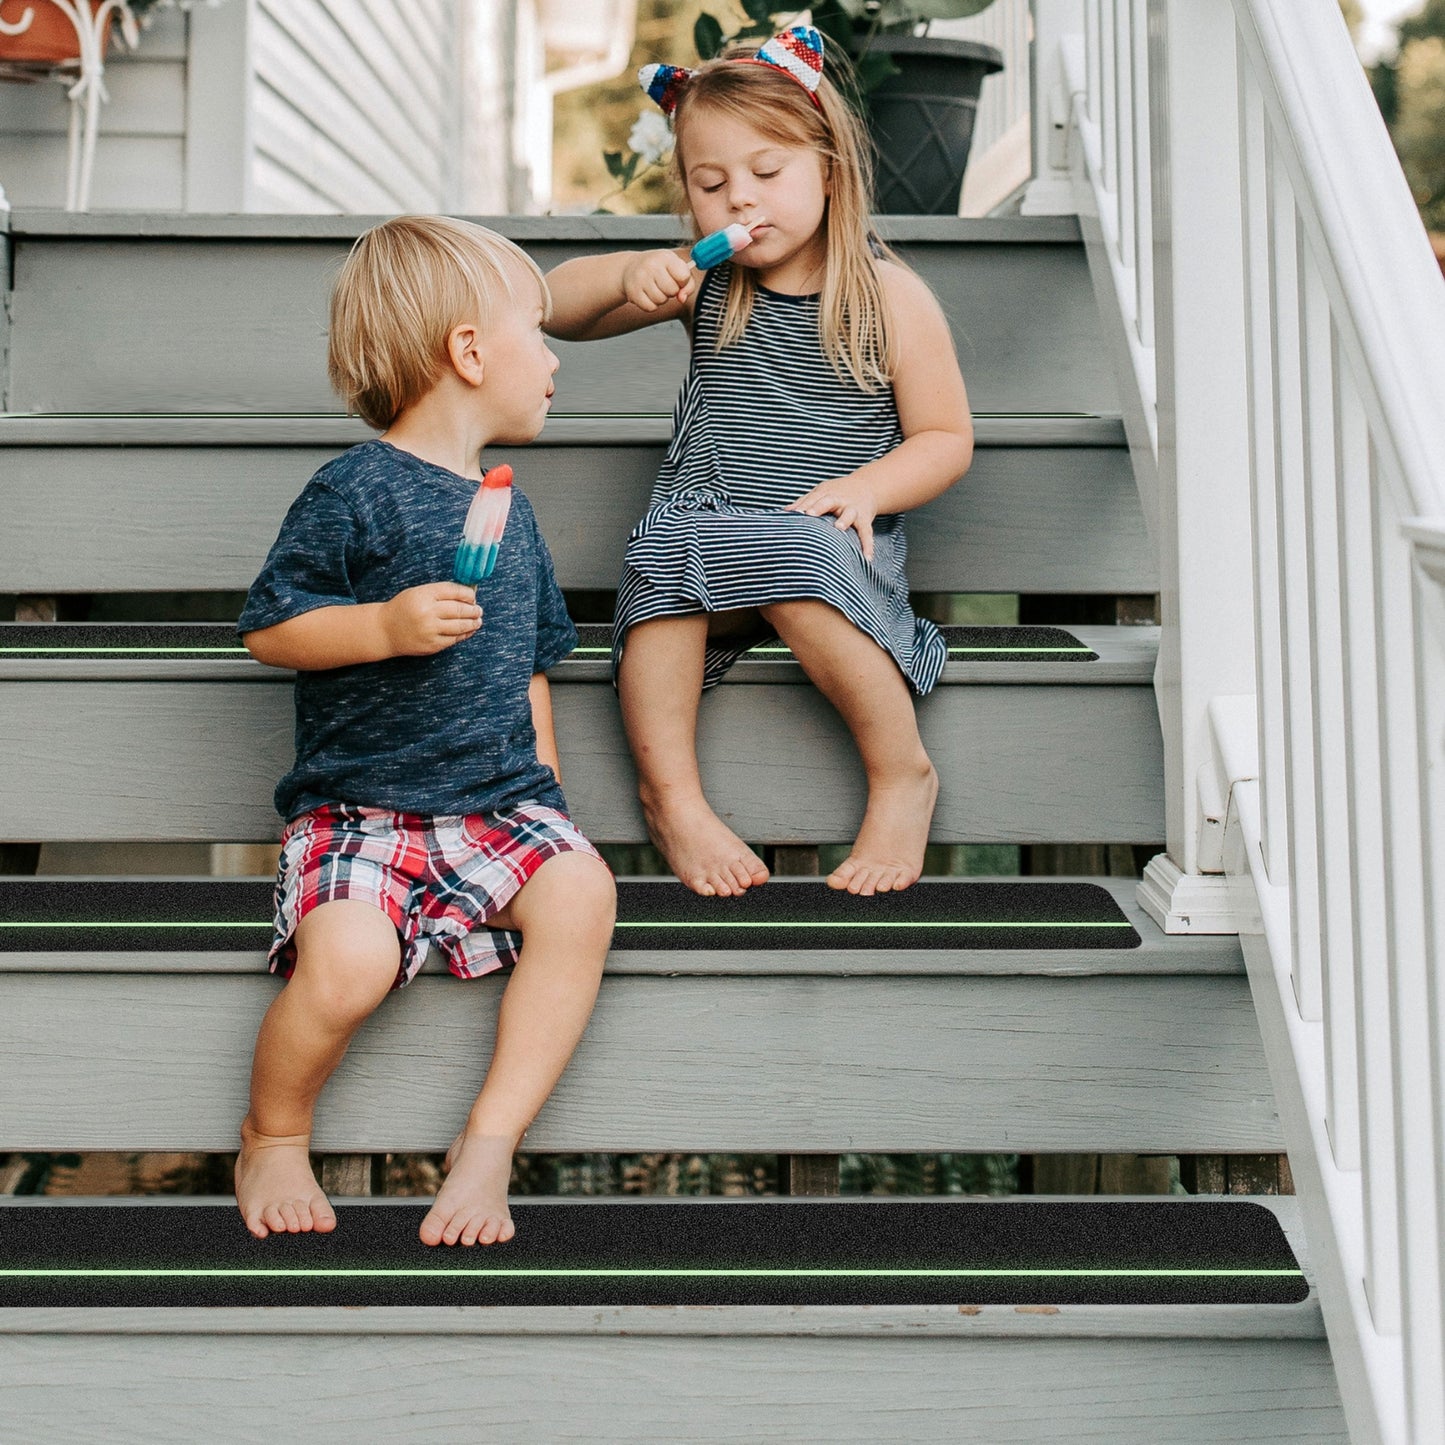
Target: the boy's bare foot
pixel 702 850
pixel 275 1188
pixel 888 852
pixel 471 1207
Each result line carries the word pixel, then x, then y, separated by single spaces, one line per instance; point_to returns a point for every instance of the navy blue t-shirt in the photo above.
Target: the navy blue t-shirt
pixel 444 734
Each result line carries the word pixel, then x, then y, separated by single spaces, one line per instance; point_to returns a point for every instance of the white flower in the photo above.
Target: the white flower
pixel 651 136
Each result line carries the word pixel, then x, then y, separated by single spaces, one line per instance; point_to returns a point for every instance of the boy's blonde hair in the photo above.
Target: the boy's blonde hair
pixel 853 313
pixel 405 285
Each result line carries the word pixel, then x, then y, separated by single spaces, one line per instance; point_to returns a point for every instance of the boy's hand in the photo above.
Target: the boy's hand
pixel 853 502
pixel 654 278
pixel 428 618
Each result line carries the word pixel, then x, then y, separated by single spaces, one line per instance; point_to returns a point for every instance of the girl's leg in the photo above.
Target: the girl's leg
pixel 347 956
pixel 565 913
pixel 863 682
pixel 660 685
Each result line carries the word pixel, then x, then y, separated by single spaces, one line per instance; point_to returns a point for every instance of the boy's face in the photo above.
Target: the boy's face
pixel 517 379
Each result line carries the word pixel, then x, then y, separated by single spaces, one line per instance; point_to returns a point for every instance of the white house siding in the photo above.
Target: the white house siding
pixel 355 105
pixel 140 153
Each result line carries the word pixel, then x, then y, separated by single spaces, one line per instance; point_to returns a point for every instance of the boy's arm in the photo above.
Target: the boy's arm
pixel 539 694
pixel 594 297
pixel 414 623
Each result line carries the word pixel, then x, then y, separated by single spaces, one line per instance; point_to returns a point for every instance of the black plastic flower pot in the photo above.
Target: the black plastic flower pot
pixel 922 120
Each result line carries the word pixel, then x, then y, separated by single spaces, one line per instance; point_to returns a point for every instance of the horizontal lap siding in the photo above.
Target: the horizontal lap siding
pixel 1113 1063
pixel 354 105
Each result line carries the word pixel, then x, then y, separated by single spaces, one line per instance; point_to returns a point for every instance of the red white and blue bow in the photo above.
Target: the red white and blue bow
pixel 798 53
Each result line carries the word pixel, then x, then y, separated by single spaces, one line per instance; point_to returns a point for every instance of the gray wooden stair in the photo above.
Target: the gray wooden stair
pixel 163 465
pixel 1126 1375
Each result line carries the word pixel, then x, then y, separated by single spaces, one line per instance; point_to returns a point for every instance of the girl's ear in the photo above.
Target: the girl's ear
pixel 464 349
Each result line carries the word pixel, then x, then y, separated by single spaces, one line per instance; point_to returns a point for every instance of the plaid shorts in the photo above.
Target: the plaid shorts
pixel 437 878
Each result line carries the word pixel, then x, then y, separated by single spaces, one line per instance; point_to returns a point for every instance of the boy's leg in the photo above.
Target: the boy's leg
pixel 659 683
pixel 565 913
pixel 347 956
pixel 872 696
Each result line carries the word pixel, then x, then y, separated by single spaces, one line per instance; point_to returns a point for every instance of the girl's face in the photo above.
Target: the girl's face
pixel 736 174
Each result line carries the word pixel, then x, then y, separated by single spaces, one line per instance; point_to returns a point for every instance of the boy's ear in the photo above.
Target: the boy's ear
pixel 464 348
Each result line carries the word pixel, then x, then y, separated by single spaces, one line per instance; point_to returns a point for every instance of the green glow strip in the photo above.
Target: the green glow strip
pixel 787 652
pixel 741 923
pixel 624 1273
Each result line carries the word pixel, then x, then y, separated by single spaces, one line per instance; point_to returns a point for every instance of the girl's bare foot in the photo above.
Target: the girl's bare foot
pixel 275 1188
pixel 471 1207
pixel 701 849
pixel 888 852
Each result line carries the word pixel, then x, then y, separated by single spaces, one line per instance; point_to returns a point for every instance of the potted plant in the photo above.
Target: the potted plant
pixel 918 92
pixel 43 33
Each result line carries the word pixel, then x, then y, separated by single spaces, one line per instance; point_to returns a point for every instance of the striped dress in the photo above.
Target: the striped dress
pixel 757 425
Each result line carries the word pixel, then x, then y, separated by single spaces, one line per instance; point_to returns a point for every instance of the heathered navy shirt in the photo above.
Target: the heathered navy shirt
pixel 450 733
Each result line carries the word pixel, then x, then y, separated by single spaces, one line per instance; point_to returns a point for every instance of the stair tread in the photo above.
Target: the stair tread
pixel 563 428
pixel 1123 655
pixel 1302 1320
pixel 1156 953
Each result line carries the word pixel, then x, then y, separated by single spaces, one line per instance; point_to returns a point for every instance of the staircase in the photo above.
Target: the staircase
pixel 158 459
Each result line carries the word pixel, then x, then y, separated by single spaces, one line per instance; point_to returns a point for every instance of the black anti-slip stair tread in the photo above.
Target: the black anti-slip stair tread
pixel 211 639
pixel 728 1252
pixel 174 915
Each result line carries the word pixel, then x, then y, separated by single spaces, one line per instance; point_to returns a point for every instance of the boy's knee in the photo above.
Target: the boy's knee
pixel 581 885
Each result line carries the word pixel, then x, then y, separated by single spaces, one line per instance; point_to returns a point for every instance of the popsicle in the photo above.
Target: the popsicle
pixel 483 528
pixel 720 246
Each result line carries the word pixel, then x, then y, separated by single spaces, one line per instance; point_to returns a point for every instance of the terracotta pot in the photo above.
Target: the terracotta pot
pixel 50 37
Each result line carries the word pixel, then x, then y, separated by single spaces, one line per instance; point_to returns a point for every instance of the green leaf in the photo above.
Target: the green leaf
pixel 707 35
pixel 614 163
pixel 873 67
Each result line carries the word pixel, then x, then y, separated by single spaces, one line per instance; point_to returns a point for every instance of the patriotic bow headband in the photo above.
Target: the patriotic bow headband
pixel 798 53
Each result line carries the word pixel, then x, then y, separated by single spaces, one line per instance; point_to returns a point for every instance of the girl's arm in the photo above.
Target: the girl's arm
pixel 414 623
pixel 937 446
pixel 599 296
pixel 539 694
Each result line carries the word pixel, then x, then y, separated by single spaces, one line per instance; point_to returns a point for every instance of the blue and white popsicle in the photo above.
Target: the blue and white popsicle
pixel 720 246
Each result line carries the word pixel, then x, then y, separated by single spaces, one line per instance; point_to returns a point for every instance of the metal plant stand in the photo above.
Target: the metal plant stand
pixel 84 76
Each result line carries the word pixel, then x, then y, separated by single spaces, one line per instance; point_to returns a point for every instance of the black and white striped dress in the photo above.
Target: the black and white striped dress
pixel 757 425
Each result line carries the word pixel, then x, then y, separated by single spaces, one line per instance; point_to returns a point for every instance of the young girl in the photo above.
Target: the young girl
pixel 824 399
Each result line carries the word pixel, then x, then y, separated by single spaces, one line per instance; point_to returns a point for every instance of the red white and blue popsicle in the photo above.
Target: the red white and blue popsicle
pixel 483 528
pixel 720 246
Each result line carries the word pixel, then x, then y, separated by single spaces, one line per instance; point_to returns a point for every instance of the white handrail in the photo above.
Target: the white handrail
pixel 1336 824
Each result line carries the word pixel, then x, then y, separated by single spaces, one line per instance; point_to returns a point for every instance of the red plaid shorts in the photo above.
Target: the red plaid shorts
pixel 437 878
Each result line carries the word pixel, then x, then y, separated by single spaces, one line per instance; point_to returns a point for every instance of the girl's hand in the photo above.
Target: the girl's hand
pixel 429 618
pixel 654 278
pixel 853 503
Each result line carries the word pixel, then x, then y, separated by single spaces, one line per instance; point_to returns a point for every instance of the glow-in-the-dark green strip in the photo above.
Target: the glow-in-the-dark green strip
pixel 664 923
pixel 629 1273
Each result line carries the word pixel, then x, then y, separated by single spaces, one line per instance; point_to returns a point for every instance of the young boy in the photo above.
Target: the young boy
pixel 424 806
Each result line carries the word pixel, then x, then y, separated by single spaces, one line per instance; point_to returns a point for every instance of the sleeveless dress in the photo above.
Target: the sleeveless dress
pixel 757 425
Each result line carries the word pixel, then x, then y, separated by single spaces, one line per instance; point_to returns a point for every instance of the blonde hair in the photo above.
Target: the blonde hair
pixel 405 285
pixel 852 311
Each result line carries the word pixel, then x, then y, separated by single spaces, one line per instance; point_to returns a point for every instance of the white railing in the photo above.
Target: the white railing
pixel 1324 367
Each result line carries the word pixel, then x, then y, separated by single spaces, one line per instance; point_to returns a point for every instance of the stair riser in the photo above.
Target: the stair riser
pixel 198 762
pixel 983 1064
pixel 136 519
pixel 453 1385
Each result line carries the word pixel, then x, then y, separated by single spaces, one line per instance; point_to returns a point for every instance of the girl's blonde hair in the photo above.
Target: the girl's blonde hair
pixel 405 285
pixel 852 312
